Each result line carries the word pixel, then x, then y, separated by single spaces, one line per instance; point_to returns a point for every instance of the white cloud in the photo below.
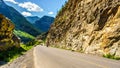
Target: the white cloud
pixel 50 13
pixel 12 1
pixel 31 6
pixel 26 13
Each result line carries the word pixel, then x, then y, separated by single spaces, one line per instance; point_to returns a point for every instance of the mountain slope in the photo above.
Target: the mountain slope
pixel 24 36
pixel 20 21
pixel 44 23
pixel 89 26
pixel 32 19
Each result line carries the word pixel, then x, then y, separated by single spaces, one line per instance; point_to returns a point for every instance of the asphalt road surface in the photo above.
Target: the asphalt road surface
pixel 48 57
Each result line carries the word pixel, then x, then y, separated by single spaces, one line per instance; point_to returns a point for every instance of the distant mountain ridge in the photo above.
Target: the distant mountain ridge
pixel 44 23
pixel 20 21
pixel 32 19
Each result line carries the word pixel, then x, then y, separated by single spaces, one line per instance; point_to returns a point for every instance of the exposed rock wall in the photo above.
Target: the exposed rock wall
pixel 90 26
pixel 7 38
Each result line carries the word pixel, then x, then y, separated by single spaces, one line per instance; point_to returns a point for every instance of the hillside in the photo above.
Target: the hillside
pixel 25 37
pixel 44 23
pixel 20 21
pixel 32 19
pixel 88 26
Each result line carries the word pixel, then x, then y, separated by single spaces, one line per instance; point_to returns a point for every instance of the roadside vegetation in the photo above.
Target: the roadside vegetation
pixel 27 42
pixel 14 52
pixel 111 57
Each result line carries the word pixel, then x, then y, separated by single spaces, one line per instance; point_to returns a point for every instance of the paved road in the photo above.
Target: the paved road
pixel 47 57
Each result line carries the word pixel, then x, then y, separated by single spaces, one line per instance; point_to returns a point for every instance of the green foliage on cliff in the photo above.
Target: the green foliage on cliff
pixel 111 56
pixel 62 9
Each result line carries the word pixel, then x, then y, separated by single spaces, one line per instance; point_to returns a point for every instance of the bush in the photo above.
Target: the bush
pixel 11 54
pixel 111 56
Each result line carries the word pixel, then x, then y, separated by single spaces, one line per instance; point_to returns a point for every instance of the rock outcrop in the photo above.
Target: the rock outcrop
pixel 7 38
pixel 90 26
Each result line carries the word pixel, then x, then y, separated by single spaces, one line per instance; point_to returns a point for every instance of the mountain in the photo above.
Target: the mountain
pixel 44 23
pixel 88 26
pixel 32 19
pixel 20 21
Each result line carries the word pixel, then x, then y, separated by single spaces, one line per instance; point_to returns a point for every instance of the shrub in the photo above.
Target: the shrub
pixel 111 56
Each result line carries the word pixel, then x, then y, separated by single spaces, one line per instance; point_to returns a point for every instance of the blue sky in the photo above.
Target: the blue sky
pixel 36 7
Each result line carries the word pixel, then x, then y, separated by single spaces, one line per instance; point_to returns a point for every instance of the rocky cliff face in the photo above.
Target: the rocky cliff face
pixel 89 26
pixel 7 38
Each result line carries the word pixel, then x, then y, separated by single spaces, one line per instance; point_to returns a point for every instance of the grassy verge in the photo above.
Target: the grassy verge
pixel 11 54
pixel 14 52
pixel 111 57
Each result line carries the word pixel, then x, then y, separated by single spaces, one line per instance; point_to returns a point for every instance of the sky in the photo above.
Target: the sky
pixel 36 7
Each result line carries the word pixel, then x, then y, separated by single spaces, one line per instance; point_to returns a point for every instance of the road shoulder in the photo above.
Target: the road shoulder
pixel 24 61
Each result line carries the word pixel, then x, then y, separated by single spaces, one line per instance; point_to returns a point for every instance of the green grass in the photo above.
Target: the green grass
pixel 30 44
pixel 25 47
pixel 23 34
pixel 25 37
pixel 111 57
pixel 14 52
pixel 11 54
